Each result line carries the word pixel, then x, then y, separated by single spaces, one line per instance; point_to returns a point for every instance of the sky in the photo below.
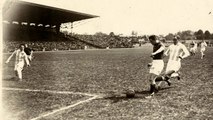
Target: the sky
pixel 158 17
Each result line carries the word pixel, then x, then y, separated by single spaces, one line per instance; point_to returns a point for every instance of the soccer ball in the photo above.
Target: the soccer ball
pixel 130 93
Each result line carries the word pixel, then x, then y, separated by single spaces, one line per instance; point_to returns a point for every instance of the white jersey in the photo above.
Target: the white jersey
pixel 203 45
pixel 21 56
pixel 195 46
pixel 174 51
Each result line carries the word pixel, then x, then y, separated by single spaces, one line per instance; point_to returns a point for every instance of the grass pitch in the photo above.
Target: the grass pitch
pixel 100 71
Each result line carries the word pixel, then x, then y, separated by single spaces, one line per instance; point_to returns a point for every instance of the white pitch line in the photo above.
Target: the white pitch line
pixel 64 108
pixel 47 91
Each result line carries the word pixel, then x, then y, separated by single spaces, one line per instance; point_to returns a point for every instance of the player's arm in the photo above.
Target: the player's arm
pixel 185 51
pixel 8 60
pixel 159 50
pixel 166 53
pixel 26 60
pixel 31 53
pixel 205 44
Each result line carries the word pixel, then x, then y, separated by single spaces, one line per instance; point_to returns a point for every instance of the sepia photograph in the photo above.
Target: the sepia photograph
pixel 106 59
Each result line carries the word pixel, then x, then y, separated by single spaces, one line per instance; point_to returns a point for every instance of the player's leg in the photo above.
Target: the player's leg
pixel 191 51
pixel 202 53
pixel 19 74
pixel 164 77
pixel 175 68
pixel 15 71
pixel 31 56
pixel 168 75
pixel 155 70
pixel 153 86
pixel 159 69
pixel 152 75
pixel 20 67
pixel 170 69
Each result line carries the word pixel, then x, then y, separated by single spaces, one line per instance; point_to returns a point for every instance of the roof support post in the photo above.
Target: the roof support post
pixel 58 28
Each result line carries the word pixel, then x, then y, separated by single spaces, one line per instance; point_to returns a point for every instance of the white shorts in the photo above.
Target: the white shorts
pixel 202 49
pixel 19 66
pixel 173 65
pixel 157 67
pixel 193 50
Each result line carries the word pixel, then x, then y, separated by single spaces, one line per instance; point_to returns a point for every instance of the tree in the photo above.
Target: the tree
pixel 207 35
pixel 134 33
pixel 111 34
pixel 199 34
pixel 186 35
pixel 100 34
pixel 169 36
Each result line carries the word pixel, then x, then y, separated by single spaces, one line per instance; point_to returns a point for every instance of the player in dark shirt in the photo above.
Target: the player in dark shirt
pixel 29 52
pixel 157 64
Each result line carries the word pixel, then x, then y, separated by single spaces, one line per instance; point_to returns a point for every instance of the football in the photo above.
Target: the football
pixel 130 93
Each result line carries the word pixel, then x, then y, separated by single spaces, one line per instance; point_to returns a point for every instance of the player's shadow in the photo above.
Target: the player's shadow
pixel 122 96
pixel 138 95
pixel 10 79
pixel 166 88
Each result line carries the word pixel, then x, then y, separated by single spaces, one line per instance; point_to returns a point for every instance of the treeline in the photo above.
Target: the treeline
pixel 190 35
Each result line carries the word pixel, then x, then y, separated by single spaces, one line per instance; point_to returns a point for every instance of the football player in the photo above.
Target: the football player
pixel 20 60
pixel 157 64
pixel 176 52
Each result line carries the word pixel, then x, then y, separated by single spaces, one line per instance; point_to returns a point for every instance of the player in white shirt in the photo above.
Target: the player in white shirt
pixel 176 52
pixel 193 49
pixel 203 46
pixel 20 60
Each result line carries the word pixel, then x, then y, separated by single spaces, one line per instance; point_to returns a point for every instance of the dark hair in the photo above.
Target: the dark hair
pixel 177 37
pixel 21 45
pixel 152 37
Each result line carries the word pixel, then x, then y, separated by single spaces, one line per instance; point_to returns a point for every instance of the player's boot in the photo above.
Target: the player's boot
pixel 167 80
pixel 155 88
pixel 178 77
pixel 151 89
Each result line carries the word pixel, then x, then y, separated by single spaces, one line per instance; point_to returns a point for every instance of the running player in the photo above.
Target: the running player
pixel 157 64
pixel 203 46
pixel 193 49
pixel 20 60
pixel 176 52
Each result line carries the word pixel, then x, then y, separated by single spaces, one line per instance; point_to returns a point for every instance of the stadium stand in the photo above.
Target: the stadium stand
pixel 39 26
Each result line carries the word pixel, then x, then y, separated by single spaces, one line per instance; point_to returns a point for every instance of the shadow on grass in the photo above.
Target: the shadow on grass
pixel 116 97
pixel 166 88
pixel 10 79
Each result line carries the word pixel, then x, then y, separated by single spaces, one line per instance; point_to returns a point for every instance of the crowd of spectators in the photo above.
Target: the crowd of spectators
pixel 105 41
pixel 9 46
pixel 44 42
pixel 46 39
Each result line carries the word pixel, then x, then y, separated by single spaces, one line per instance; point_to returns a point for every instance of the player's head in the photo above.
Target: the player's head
pixel 176 39
pixel 153 39
pixel 26 45
pixel 21 46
